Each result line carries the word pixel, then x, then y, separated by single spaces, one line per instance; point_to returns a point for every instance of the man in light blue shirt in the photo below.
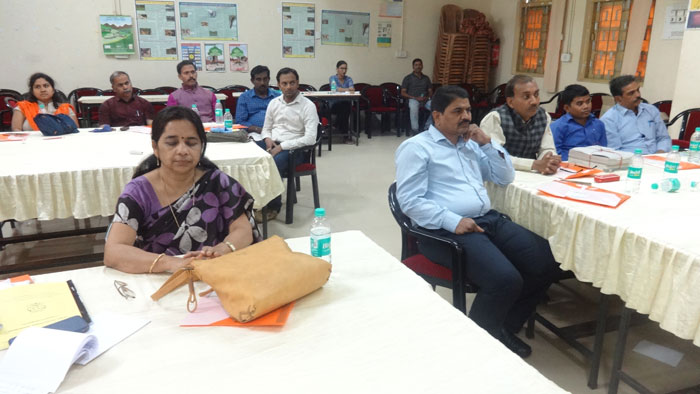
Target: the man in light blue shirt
pixel 632 124
pixel 252 104
pixel 440 176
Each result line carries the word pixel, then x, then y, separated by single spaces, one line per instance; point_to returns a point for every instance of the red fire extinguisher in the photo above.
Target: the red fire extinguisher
pixel 495 53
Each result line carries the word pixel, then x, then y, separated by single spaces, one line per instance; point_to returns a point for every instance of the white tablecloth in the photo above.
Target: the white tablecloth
pixel 375 327
pixel 647 251
pixel 82 175
pixel 153 98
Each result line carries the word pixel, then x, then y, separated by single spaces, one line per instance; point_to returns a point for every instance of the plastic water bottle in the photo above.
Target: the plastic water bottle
pixel 634 172
pixel 694 154
pixel 194 108
pixel 694 186
pixel 218 112
pixel 321 236
pixel 42 108
pixel 228 120
pixel 334 87
pixel 673 160
pixel 669 185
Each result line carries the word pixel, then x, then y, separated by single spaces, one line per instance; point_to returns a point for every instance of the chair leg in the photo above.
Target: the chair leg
pixel 291 195
pixel 330 141
pixel 314 186
pixel 368 124
pixel 298 184
pixel 530 328
pixel 264 221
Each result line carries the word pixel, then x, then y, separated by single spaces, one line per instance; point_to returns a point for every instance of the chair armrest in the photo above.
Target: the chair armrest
pixel 423 234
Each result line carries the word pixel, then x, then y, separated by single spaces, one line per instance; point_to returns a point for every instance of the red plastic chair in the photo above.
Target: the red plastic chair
pixel 306 168
pixel 157 107
pixel 87 114
pixel 597 103
pixel 167 89
pixel 664 106
pixel 231 101
pixel 690 119
pixel 303 87
pixel 497 96
pixel 6 109
pixel 433 273
pixel 559 111
pixel 393 99
pixel 375 97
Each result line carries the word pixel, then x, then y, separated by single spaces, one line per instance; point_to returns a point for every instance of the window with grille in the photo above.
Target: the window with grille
pixel 608 34
pixel 534 24
pixel 642 65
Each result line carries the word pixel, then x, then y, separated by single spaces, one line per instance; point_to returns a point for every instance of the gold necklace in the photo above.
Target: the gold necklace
pixel 165 191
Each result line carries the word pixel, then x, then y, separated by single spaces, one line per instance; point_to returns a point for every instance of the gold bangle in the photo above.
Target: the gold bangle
pixel 153 264
pixel 230 245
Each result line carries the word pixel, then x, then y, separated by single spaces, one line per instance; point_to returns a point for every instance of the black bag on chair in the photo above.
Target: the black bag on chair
pixel 51 125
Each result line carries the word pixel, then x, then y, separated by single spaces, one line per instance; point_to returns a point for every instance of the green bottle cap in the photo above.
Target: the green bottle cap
pixel 654 186
pixel 674 148
pixel 637 151
pixel 319 212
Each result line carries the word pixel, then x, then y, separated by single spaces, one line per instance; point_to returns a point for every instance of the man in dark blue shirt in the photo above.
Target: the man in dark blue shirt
pixel 579 127
pixel 252 104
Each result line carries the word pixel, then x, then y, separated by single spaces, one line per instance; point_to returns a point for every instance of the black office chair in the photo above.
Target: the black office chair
pixel 294 172
pixel 433 273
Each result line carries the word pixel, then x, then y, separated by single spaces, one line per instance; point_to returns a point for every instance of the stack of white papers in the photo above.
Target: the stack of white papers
pixel 39 358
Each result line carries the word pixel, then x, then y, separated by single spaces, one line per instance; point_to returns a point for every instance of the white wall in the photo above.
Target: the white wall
pixel 661 70
pixel 686 94
pixel 62 39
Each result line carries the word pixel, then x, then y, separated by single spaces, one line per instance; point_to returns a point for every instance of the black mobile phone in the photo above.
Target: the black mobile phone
pixel 74 324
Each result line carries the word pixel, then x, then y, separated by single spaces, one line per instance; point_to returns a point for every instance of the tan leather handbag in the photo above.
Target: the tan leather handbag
pixel 253 281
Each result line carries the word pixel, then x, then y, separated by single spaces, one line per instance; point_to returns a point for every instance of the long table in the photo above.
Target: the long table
pixel 82 175
pixel 151 98
pixel 374 327
pixel 645 251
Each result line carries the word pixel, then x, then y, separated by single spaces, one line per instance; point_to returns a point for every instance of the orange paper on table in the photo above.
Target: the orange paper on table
pixel 582 193
pixel 13 136
pixel 580 172
pixel 684 165
pixel 210 313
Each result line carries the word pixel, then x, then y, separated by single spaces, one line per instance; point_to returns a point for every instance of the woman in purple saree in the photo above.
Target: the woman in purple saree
pixel 178 203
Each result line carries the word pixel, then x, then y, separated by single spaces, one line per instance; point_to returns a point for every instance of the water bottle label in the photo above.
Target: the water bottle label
pixel 634 173
pixel 320 246
pixel 695 146
pixel 228 124
pixel 671 168
pixel 219 112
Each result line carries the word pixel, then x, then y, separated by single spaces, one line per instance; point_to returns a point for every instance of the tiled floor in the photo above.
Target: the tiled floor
pixel 353 188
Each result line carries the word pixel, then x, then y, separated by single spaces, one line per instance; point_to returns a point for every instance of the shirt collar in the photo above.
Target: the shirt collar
pixel 568 118
pixel 437 136
pixel 297 99
pixel 270 93
pixel 623 111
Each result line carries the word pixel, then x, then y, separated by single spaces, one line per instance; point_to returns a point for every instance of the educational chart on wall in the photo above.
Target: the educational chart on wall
pixel 384 34
pixel 694 15
pixel 192 52
pixel 298 29
pixel 674 22
pixel 344 28
pixel 391 9
pixel 238 57
pixel 208 21
pixel 214 56
pixel 117 35
pixel 155 21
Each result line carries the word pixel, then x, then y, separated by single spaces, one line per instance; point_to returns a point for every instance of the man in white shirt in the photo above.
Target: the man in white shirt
pixel 291 122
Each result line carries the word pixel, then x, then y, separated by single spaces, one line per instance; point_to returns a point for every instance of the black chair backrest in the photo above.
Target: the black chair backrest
pixel 325 88
pixel 167 89
pixel 233 88
pixel 400 217
pixel 303 87
pixel 151 92
pixel 209 87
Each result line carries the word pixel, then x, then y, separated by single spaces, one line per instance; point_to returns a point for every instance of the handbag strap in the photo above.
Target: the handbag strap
pixel 179 278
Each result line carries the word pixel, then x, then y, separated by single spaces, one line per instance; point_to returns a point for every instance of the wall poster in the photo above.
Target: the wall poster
pixel 117 35
pixel 208 21
pixel 155 21
pixel 192 52
pixel 298 30
pixel 214 56
pixel 384 34
pixel 344 28
pixel 391 9
pixel 238 57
